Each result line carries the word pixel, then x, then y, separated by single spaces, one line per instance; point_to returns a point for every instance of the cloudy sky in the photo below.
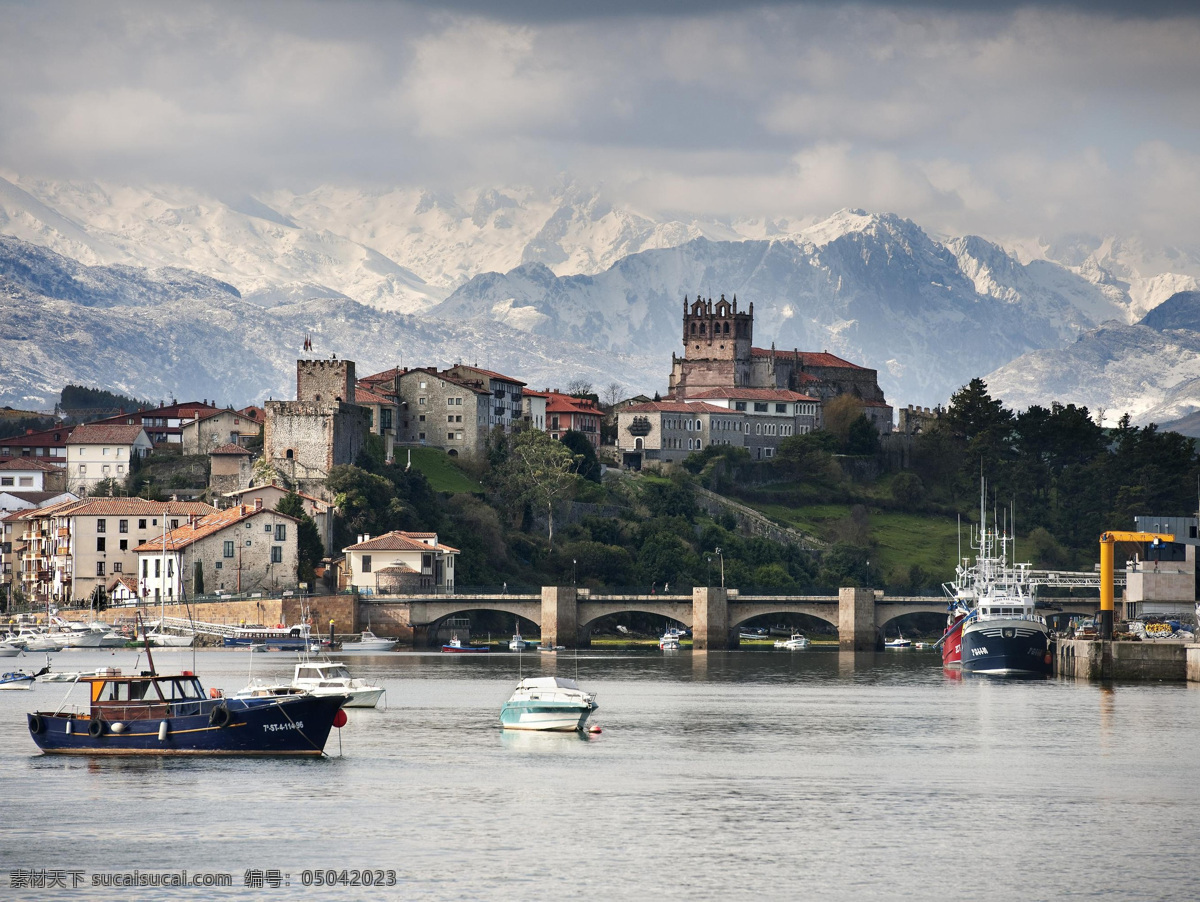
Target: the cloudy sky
pixel 990 117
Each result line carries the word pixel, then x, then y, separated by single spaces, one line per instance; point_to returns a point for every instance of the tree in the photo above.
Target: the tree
pixel 309 547
pixel 588 465
pixel 862 438
pixel 539 472
pixel 839 413
pixel 612 394
pixel 580 387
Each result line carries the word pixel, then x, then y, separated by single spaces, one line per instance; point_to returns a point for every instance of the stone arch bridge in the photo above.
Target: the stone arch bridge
pixel 566 614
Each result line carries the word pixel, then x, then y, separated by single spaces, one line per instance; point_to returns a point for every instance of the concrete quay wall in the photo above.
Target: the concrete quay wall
pixel 1093 659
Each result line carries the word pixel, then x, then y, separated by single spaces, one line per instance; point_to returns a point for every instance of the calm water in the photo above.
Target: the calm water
pixel 741 774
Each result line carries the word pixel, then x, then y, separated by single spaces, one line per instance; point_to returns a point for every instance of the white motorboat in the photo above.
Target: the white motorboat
pixel 549 704
pixel 668 642
pixel 9 649
pixel 517 643
pixel 36 640
pixel 368 641
pixel 797 641
pixel 898 642
pixel 329 678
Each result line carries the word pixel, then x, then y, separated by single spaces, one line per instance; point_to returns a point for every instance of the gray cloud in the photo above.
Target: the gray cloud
pixel 1003 119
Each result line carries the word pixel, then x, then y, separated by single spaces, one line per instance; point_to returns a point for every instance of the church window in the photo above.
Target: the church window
pixel 726 329
pixel 702 328
pixel 693 328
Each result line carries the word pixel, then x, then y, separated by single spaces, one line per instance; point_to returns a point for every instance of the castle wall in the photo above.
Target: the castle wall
pixel 325 381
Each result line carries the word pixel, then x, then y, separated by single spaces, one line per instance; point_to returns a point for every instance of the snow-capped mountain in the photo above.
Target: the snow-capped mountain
pixel 873 288
pixel 1150 370
pixel 569 266
pixel 170 333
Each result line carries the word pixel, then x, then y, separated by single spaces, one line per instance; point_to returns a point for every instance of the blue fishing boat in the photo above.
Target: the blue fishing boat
pixel 155 714
pixel 548 703
pixel 170 714
pixel 455 647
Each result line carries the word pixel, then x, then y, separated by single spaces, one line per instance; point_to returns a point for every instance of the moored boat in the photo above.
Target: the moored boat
pixel 455 646
pixel 329 678
pixel 517 643
pixel 368 641
pixel 898 643
pixel 549 704
pixel 796 642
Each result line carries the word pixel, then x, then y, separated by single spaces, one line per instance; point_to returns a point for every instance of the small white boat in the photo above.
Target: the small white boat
pixel 368 641
pixel 899 642
pixel 668 642
pixel 549 704
pixel 167 640
pixel 19 679
pixel 328 678
pixel 517 643
pixel 37 640
pixel 797 641
pixel 8 650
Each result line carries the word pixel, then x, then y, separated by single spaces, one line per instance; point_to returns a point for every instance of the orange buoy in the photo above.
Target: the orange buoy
pixel 595 728
pixel 339 719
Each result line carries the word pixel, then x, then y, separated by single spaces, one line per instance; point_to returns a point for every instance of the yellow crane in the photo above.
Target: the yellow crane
pixel 1107 541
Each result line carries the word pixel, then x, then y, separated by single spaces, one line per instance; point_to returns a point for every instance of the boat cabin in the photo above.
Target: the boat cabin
pixel 145 696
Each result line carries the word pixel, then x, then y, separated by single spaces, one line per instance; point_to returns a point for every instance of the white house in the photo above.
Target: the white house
pixel 99 452
pixel 400 559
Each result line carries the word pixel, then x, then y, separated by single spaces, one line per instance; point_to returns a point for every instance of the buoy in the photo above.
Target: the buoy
pixel 162 731
pixel 340 719
pixel 595 728
pixel 118 728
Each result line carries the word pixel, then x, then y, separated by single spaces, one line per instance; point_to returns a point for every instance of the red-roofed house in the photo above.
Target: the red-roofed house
pixel 564 412
pixel 49 444
pixel 97 452
pixel 456 408
pixel 240 549
pixel 368 561
pixel 163 425
pixel 31 474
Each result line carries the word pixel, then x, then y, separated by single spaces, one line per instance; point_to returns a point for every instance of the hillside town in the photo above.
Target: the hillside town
pixel 71 533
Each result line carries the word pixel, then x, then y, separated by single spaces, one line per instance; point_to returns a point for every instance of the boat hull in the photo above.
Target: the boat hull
pixel 1006 648
pixel 298 725
pixel 952 646
pixel 552 717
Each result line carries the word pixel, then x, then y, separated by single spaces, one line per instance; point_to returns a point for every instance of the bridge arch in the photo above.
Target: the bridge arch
pixel 824 611
pixel 588 612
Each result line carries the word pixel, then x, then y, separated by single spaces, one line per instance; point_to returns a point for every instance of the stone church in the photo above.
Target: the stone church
pixel 719 353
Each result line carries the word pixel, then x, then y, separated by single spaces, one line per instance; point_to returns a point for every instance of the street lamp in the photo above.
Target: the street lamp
pixel 721 558
pixel 573 563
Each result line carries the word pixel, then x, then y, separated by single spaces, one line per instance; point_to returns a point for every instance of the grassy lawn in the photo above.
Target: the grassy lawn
pixel 440 470
pixel 898 540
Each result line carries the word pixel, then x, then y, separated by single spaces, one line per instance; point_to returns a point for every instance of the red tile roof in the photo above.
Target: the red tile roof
pixel 754 394
pixel 385 376
pixel 489 373
pixel 104 434
pixel 808 358
pixel 677 407
pixel 399 541
pixel 47 438
pixel 189 410
pixel 133 507
pixel 559 403
pixel 231 449
pixel 366 396
pixel 206 526
pixel 31 463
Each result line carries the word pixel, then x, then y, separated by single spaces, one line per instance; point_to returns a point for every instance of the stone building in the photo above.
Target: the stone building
pixel 668 431
pixel 405 559
pixel 64 552
pixel 456 408
pixel 772 415
pixel 230 469
pixel 324 427
pixel 719 354
pixel 240 549
pixel 269 496
pixel 212 430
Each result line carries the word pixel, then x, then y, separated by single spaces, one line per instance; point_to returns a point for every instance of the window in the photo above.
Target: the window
pixel 420 402
pixel 249 524
pixel 366 563
pixel 141 524
pixel 276 554
pixel 760 406
pixel 739 405
pixel 122 526
pixel 170 567
pixel 266 527
pixel 157 567
pixel 6 480
pixel 280 532
pixel 117 567
pixel 218 565
pixel 174 524
pixel 421 418
pixel 249 543
pixel 423 385
pixel 228 549
pixel 450 419
pixel 145 567
pixel 100 543
pixel 101 526
pixel 99 568
pixel 124 544
pixel 781 408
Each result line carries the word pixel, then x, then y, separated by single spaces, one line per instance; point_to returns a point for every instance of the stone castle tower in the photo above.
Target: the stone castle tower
pixel 717 342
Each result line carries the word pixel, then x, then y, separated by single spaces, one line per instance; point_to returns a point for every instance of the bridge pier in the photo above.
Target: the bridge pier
pixel 856 620
pixel 710 618
pixel 560 621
